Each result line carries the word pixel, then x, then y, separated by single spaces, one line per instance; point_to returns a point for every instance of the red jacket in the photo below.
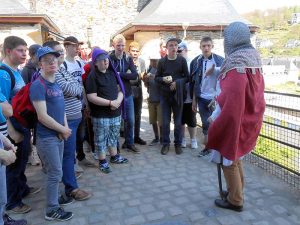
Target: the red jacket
pixel 87 70
pixel 236 129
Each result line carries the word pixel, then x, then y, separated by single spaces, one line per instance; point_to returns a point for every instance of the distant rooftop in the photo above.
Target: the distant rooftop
pixel 12 7
pixel 195 12
pixel 172 15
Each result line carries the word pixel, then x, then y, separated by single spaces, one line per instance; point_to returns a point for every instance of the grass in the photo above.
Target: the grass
pixel 288 87
pixel 281 154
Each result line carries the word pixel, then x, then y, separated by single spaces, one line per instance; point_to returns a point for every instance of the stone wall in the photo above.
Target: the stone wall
pixel 73 17
pixel 31 34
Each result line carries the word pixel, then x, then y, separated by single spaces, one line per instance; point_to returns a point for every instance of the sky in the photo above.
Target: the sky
pixel 244 6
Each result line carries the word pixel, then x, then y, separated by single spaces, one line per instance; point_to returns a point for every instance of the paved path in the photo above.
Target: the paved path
pixel 169 190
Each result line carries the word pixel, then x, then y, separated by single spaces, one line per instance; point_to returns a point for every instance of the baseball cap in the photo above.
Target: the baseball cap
pixel 182 46
pixel 173 39
pixel 99 54
pixel 71 40
pixel 33 49
pixel 45 51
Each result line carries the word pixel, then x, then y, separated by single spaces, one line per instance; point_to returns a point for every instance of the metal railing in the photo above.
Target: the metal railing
pixel 278 147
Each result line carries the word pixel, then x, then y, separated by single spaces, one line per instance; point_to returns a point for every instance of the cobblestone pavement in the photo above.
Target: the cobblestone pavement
pixel 169 190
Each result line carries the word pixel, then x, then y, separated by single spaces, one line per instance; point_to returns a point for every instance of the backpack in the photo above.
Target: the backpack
pixel 12 77
pixel 23 110
pixel 66 66
pixel 35 75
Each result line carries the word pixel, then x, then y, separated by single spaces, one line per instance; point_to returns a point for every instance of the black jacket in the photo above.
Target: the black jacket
pixel 27 72
pixel 123 66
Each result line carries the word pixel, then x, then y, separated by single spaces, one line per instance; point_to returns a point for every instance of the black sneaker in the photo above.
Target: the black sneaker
pixel 165 149
pixel 124 145
pixel 154 142
pixel 10 221
pixel 204 152
pixel 133 149
pixel 178 150
pixel 139 141
pixel 104 167
pixel 118 160
pixel 59 214
pixel 65 200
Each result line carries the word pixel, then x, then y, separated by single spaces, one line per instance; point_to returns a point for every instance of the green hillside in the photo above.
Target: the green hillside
pixel 275 26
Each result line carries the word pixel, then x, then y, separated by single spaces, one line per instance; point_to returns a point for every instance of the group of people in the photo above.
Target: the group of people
pixel 100 96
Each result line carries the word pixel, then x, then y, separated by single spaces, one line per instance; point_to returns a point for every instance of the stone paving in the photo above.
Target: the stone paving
pixel 169 190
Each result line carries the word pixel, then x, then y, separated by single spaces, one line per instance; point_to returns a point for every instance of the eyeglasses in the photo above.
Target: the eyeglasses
pixel 179 51
pixel 60 52
pixel 49 61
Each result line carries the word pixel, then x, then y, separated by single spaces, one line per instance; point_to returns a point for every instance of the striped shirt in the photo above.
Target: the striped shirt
pixel 3 128
pixel 72 90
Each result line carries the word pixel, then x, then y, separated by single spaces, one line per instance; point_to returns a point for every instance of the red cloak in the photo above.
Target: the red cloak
pixel 236 129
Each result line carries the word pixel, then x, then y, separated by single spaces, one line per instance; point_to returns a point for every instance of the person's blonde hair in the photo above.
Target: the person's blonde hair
pixel 118 38
pixel 134 44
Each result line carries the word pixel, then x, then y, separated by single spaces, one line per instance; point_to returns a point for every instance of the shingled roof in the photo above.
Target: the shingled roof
pixel 12 7
pixel 171 15
pixel 13 12
pixel 196 12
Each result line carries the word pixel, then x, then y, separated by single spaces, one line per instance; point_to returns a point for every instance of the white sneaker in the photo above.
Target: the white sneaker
pixel 183 143
pixel 194 144
pixel 34 159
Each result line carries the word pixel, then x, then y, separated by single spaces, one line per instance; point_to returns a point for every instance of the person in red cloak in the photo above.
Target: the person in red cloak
pixel 236 124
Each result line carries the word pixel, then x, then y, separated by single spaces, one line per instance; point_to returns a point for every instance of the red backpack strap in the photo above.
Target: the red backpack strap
pixel 42 82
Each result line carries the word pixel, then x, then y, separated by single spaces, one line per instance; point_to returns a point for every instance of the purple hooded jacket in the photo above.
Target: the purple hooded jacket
pixel 95 54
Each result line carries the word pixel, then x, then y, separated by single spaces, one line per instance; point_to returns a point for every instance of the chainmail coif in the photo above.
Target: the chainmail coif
pixel 239 52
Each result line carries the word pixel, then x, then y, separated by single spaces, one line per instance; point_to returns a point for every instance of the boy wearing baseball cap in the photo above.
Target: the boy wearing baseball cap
pixel 52 128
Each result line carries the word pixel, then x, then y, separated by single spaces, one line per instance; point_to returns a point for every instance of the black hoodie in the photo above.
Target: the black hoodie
pixel 27 72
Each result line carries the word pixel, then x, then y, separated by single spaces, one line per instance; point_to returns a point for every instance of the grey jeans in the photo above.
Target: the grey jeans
pixel 3 193
pixel 50 150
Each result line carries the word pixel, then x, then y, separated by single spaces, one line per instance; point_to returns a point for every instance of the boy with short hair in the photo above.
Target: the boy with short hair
pixel 204 70
pixel 153 100
pixel 75 68
pixel 172 75
pixel 123 65
pixel 7 157
pixel 136 86
pixel 14 50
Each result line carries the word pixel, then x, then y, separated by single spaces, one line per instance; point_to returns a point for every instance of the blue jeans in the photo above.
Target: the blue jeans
pixel 169 105
pixel 69 178
pixel 129 120
pixel 3 194
pixel 205 113
pixel 51 150
pixel 16 180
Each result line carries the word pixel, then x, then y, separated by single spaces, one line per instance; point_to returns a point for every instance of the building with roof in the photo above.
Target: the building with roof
pixel 295 18
pixel 189 20
pixel 281 70
pixel 17 20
